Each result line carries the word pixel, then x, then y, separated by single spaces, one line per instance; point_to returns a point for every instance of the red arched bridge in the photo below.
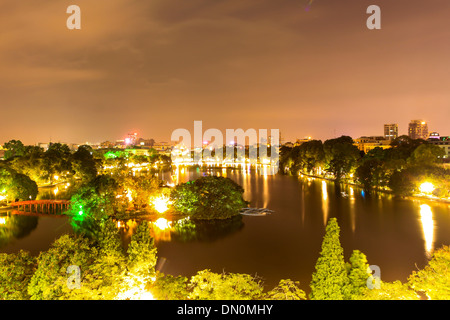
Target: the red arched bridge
pixel 40 206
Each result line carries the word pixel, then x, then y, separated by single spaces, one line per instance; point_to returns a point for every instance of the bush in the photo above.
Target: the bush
pixel 209 198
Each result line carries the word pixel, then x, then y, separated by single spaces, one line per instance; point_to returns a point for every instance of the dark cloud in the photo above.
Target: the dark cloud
pixel 154 66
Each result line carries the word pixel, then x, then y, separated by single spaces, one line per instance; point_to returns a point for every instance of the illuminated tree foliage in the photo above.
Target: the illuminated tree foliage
pixel 330 280
pixel 434 279
pixel 96 199
pixel 389 291
pixel 358 274
pixel 106 269
pixel 168 287
pixel 401 168
pixel 142 188
pixel 142 252
pixel 209 198
pixel 286 290
pixel 341 156
pixel 16 186
pixel 104 276
pixel 49 282
pixel 426 154
pixel 56 162
pixel 14 148
pixel 207 285
pixel 16 271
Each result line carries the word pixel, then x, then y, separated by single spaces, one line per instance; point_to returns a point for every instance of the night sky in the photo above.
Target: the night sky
pixel 154 66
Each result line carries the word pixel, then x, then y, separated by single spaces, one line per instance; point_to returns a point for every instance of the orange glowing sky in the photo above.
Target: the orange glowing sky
pixel 155 66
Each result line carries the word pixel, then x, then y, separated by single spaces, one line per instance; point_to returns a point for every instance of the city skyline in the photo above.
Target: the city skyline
pixel 124 137
pixel 156 67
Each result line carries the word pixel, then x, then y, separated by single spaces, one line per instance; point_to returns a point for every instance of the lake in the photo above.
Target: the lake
pixel 398 235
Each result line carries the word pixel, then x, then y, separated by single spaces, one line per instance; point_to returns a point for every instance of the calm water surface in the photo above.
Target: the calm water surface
pixel 397 235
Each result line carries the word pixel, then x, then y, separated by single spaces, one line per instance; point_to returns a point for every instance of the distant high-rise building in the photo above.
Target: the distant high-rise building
pixel 391 131
pixel 418 129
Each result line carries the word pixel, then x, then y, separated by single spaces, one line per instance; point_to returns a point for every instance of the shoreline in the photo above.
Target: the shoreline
pixel 414 197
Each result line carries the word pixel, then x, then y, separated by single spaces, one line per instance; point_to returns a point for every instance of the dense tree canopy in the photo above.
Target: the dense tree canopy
pixel 209 197
pixel 401 168
pixel 15 185
pixel 434 279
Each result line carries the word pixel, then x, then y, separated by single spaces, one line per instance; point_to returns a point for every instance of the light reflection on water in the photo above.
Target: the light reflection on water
pixel 396 234
pixel 426 218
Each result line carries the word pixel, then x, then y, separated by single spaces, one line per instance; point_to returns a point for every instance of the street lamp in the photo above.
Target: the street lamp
pixel 426 187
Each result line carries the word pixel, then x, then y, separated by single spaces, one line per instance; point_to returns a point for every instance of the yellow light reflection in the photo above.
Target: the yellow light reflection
pixel 352 209
pixel 161 229
pixel 324 191
pixel 163 224
pixel 2 220
pixel 266 194
pixel 426 218
pixel 324 202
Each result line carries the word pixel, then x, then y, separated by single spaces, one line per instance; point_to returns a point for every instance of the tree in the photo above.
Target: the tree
pixel 403 147
pixel 49 282
pixel 330 280
pixel 207 285
pixel 168 287
pixel 30 163
pixel 142 252
pixel 14 148
pixel 389 291
pixel 142 188
pixel 22 187
pixel 96 199
pixel 109 240
pixel 103 278
pixel 56 162
pixel 434 279
pixel 286 290
pixel 15 185
pixel 341 156
pixel 426 155
pixel 84 164
pixel 209 198
pixel 141 261
pixel 16 270
pixel 368 173
pixel 402 182
pixel 358 274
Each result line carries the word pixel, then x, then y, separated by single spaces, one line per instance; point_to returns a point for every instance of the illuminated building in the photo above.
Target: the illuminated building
pixel 391 131
pixel 418 129
pixel 442 142
pixel 368 143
